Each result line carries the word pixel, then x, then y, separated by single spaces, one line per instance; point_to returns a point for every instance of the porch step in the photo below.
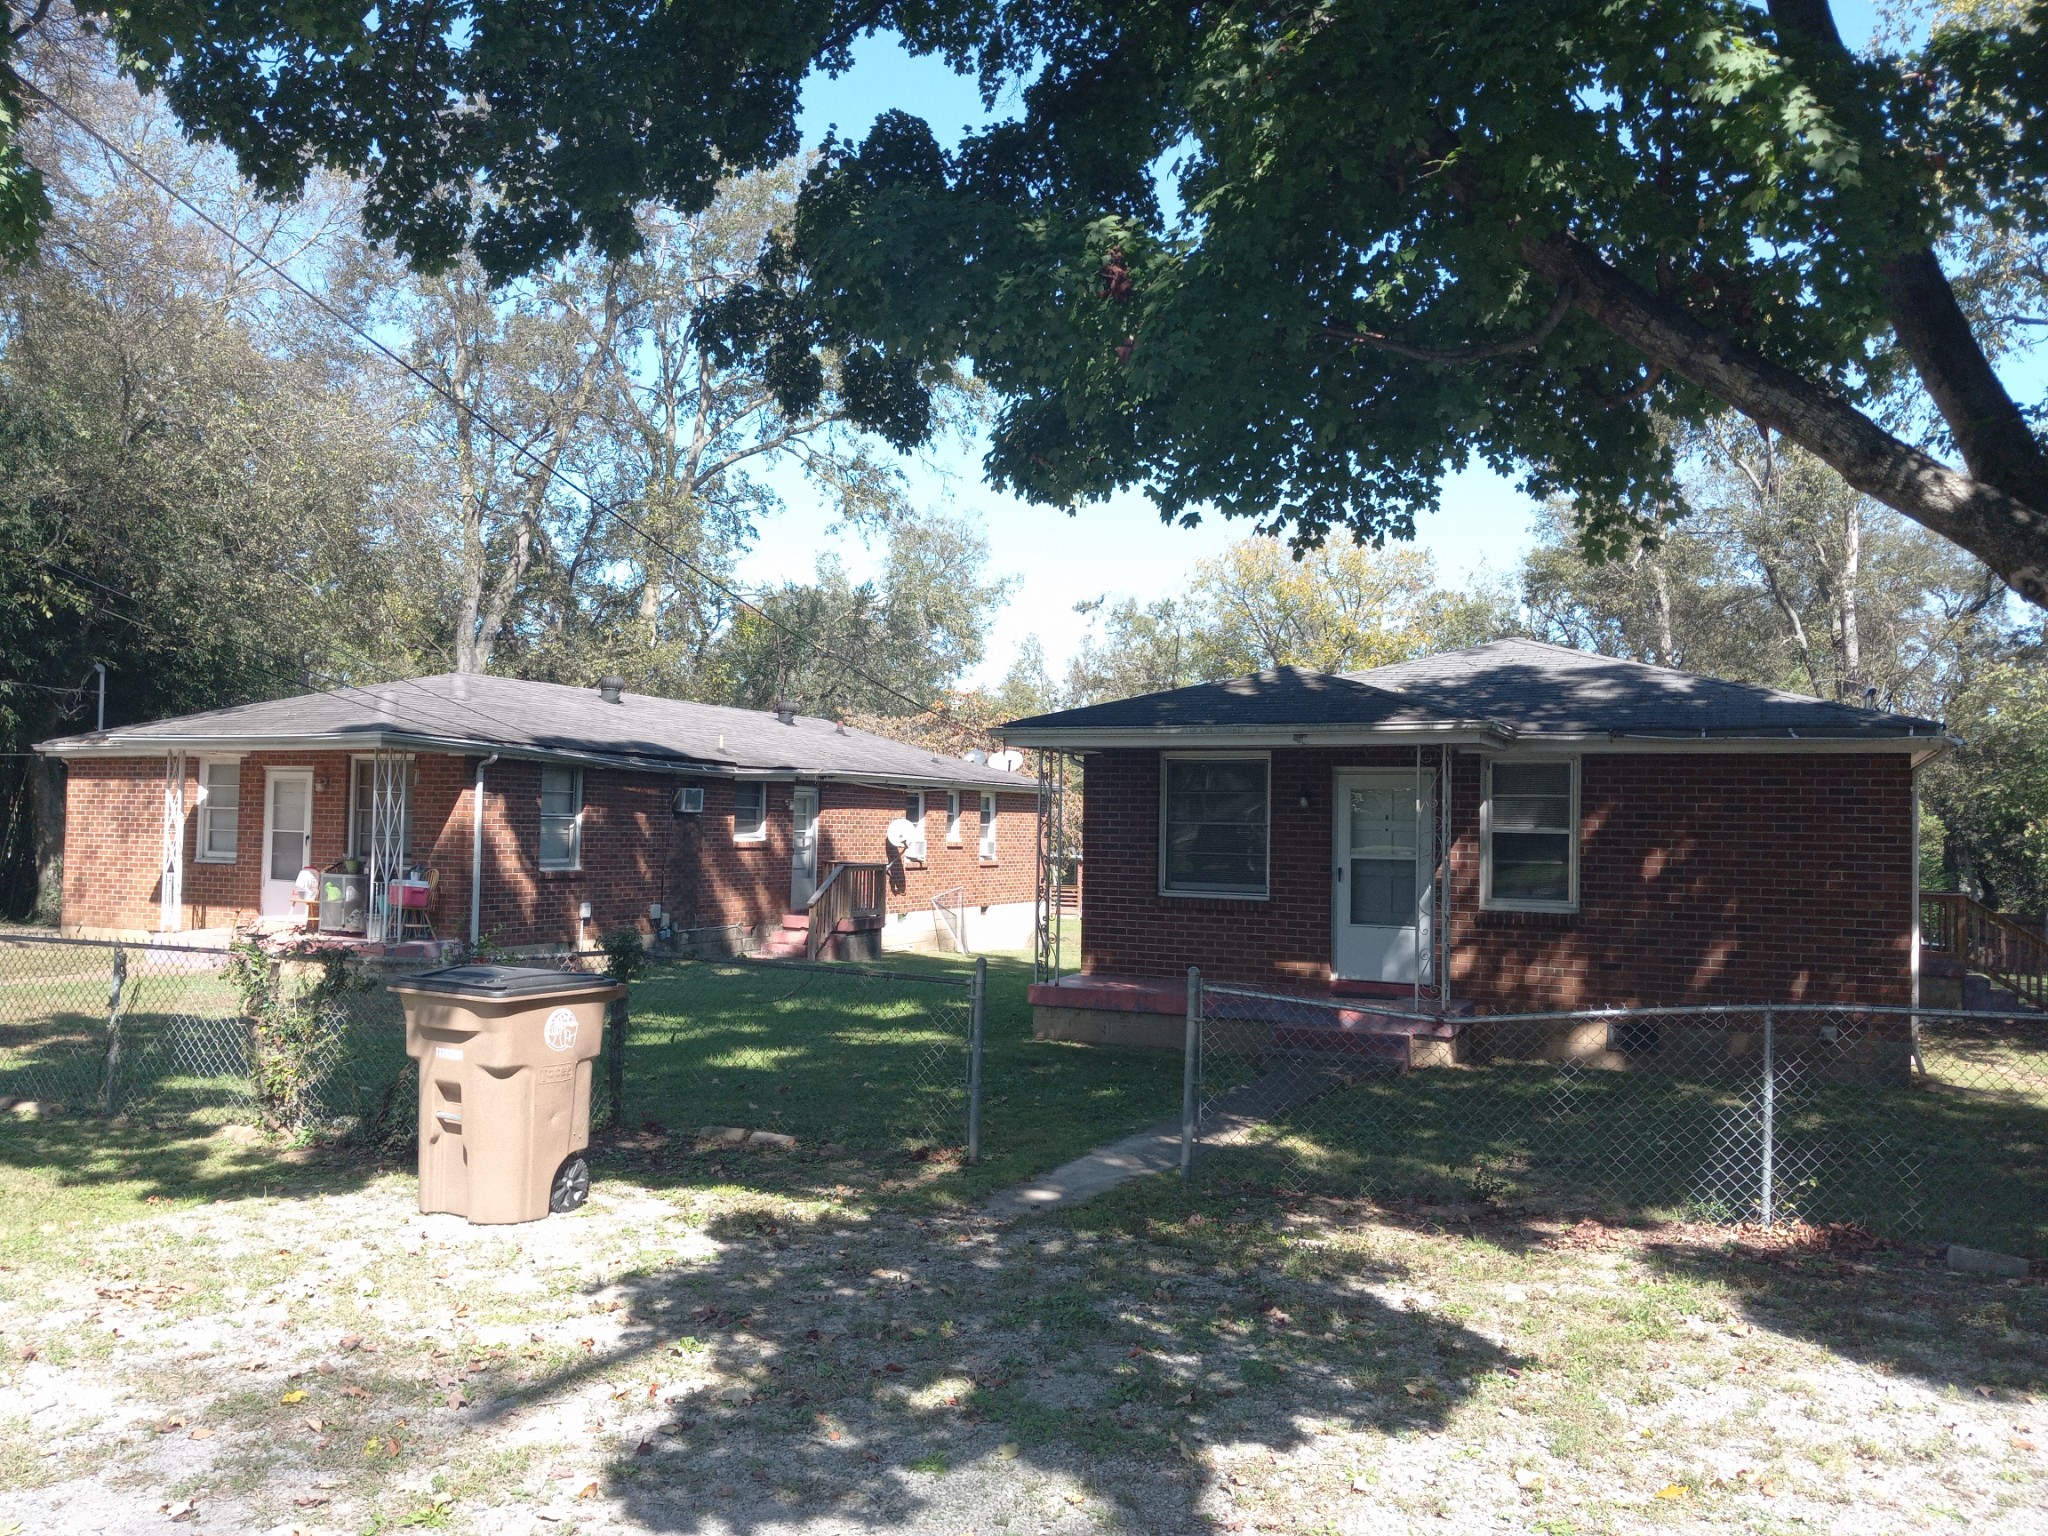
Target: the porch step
pixel 799 921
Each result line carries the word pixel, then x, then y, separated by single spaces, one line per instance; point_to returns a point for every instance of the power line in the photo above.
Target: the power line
pixel 520 450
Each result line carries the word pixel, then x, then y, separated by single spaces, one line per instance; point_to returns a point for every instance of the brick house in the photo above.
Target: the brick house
pixel 535 814
pixel 1513 827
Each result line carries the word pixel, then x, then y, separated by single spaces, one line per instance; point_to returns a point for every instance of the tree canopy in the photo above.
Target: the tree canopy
pixel 1292 261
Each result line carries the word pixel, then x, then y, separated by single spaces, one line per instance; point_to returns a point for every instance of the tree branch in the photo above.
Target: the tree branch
pixel 1474 353
pixel 2007 533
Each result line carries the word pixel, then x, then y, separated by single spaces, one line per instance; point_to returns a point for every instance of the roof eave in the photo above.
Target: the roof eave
pixel 1450 732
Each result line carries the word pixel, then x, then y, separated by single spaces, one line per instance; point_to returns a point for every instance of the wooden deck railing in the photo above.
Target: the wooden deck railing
pixel 851 891
pixel 1964 929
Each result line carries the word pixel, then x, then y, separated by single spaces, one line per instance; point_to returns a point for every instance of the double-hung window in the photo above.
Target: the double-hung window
pixel 1530 827
pixel 988 827
pixel 1214 825
pixel 220 809
pixel 913 807
pixel 953 818
pixel 561 818
pixel 749 813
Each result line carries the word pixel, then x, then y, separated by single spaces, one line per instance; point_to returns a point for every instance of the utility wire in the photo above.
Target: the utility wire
pixel 520 450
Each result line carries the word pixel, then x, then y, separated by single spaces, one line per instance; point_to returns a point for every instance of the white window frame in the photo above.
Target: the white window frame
pixel 760 832
pixel 575 820
pixel 1264 891
pixel 203 834
pixel 1487 900
pixel 916 820
pixel 985 845
pixel 952 818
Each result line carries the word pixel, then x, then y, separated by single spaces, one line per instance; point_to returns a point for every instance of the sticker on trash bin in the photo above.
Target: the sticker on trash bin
pixel 560 1030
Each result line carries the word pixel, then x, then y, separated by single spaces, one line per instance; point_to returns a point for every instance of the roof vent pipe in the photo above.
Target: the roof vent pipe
pixel 785 711
pixel 610 688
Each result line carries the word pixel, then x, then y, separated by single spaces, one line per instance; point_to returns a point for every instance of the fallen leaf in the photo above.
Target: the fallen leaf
pixel 310 1501
pixel 372 1445
pixel 201 1433
pixel 644 1448
pixel 1768 1487
pixel 1076 1498
pixel 1673 1491
pixel 350 1341
pixel 293 1396
pixel 354 1391
pixel 456 1400
pixel 588 1491
pixel 391 1445
pixel 2020 1443
pixel 313 1424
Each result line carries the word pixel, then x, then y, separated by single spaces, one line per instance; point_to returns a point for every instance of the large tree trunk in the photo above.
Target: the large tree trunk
pixel 2005 531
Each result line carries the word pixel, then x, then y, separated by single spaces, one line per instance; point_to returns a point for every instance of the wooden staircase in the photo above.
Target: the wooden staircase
pixel 2001 966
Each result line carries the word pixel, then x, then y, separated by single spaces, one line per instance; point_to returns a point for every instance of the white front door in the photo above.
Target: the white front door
pixel 287 835
pixel 803 846
pixel 1383 881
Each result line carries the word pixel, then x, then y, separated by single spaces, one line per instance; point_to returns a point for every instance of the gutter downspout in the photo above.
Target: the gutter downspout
pixel 476 852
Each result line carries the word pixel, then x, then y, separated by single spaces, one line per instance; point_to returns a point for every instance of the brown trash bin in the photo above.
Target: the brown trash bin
pixel 505 1056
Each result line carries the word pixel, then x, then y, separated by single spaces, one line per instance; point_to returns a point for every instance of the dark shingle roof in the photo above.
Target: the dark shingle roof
pixel 1290 696
pixel 1539 688
pixel 542 719
pixel 1506 688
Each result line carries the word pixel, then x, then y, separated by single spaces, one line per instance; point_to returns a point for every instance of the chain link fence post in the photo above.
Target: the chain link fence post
pixel 1770 1118
pixel 110 1068
pixel 976 1018
pixel 1190 1056
pixel 617 1018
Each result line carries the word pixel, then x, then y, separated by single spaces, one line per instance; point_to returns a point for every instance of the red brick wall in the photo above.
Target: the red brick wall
pixel 853 826
pixel 636 850
pixel 1702 878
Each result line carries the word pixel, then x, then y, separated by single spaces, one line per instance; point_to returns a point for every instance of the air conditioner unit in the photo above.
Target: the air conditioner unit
pixel 690 800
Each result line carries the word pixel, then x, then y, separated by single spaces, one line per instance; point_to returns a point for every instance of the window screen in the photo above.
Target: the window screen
pixel 1531 832
pixel 561 817
pixel 988 826
pixel 220 811
pixel 749 810
pixel 1215 824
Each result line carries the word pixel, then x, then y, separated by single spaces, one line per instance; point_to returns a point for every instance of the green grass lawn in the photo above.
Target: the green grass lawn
pixel 877 1066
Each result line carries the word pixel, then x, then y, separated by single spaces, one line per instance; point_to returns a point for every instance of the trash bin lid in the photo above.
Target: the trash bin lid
pixel 503 980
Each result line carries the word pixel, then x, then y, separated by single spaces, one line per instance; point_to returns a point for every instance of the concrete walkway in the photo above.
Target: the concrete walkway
pixel 1225 1119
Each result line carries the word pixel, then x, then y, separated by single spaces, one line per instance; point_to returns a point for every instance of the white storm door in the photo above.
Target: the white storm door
pixel 1383 878
pixel 287 835
pixel 803 846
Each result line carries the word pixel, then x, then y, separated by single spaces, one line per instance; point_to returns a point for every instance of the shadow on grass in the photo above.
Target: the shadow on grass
pixel 127 1168
pixel 902 1369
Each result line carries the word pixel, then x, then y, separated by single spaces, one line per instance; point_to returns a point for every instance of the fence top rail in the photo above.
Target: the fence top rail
pixel 839 968
pixel 132 946
pixel 1366 1004
pixel 1663 1010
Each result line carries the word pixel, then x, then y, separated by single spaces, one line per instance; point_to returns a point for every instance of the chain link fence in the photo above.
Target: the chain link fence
pixel 830 1054
pixel 1916 1124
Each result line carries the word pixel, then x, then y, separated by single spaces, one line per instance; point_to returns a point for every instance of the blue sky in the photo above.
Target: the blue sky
pixel 1484 524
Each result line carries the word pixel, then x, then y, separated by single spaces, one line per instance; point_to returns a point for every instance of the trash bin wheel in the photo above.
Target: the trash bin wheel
pixel 572 1184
